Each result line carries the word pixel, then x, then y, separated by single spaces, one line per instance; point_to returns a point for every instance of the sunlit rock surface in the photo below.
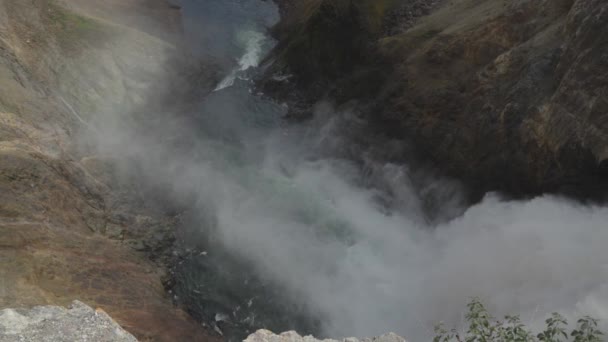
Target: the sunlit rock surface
pixel 79 322
pixel 68 228
pixel 292 336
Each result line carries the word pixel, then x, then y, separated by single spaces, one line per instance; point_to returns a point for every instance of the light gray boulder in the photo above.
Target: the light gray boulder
pixel 292 336
pixel 78 323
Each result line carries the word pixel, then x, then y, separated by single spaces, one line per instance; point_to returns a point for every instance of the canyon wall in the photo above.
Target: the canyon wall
pixel 507 95
pixel 70 227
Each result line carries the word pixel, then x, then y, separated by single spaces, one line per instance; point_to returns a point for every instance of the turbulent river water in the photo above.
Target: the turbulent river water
pixel 286 235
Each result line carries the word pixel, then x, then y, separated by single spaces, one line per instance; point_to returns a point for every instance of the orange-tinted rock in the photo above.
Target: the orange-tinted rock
pixel 64 234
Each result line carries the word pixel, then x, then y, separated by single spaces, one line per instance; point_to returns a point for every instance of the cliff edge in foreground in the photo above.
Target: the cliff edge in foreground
pixel 291 336
pixel 79 322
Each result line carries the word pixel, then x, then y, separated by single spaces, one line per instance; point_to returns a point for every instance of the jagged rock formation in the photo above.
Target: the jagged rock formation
pixel 79 322
pixel 292 336
pixel 507 95
pixel 69 228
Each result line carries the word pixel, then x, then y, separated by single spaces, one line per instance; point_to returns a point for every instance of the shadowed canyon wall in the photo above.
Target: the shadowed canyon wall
pixel 508 95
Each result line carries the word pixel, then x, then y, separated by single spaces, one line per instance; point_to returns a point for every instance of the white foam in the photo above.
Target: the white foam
pixel 253 43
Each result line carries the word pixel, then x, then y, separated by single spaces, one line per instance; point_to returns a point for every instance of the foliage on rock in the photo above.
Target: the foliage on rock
pixel 482 327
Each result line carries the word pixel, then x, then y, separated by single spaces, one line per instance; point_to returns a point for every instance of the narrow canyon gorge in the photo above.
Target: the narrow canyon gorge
pixel 198 170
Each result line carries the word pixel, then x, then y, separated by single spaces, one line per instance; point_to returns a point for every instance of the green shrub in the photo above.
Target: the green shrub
pixel 482 327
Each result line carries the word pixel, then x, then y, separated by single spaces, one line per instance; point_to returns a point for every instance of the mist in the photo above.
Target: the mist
pixel 354 245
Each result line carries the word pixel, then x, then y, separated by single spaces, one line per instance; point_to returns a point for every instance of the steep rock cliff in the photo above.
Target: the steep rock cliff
pixel 507 95
pixel 69 228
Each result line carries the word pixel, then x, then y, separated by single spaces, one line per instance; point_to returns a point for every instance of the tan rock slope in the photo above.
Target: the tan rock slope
pixel 63 231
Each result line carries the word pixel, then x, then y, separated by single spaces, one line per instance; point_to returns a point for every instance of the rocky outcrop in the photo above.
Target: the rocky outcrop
pixel 79 322
pixel 322 42
pixel 292 336
pixel 506 95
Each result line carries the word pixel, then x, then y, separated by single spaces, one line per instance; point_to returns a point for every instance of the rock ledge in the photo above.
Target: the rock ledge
pixel 292 336
pixel 77 323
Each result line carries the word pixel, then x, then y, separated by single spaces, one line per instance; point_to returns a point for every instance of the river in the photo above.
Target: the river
pixel 285 234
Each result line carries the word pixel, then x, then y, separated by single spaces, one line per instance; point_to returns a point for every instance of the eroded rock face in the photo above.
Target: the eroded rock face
pixel 321 41
pixel 507 95
pixel 292 336
pixel 507 100
pixel 79 322
pixel 69 228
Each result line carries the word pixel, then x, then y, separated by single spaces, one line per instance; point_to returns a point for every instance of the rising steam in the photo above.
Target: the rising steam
pixel 366 266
